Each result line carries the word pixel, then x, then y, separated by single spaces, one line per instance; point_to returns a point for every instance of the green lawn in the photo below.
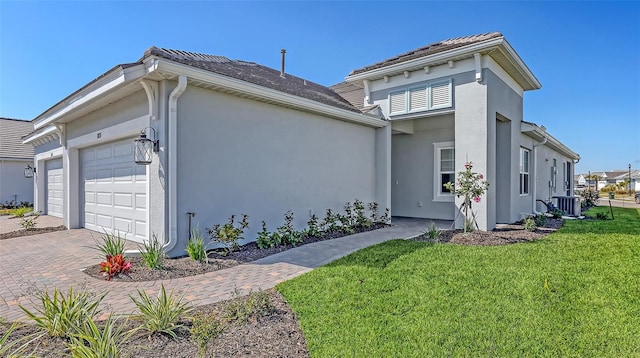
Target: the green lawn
pixel 574 293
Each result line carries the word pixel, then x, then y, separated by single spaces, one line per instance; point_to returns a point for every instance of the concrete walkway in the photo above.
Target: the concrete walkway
pixel 33 263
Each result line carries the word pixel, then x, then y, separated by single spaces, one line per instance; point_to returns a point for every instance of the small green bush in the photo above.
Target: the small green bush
pixel 59 314
pixel 264 237
pixel 111 244
pixel 160 314
pixel 230 233
pixel 313 227
pixel 361 219
pixel 589 198
pixel 602 216
pixel 557 213
pixel 540 220
pixel 91 341
pixel 29 222
pixel 433 234
pixel 257 303
pixel 196 246
pixel 205 326
pixel 288 234
pixel 152 253
pixel 21 211
pixel 330 222
pixel 529 224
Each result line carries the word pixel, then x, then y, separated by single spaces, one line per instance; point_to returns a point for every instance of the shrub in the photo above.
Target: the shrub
pixel 228 234
pixel 361 220
pixel 471 186
pixel 160 314
pixel 59 314
pixel 114 266
pixel 590 198
pixel 602 216
pixel 205 326
pixel 288 234
pixel 29 222
pixel 18 347
pixel 264 238
pixel 89 341
pixel 373 212
pixel 385 218
pixel 330 222
pixel 152 253
pixel 433 232
pixel 21 211
pixel 529 224
pixel 196 247
pixel 556 213
pixel 110 244
pixel 313 227
pixel 540 220
pixel 257 303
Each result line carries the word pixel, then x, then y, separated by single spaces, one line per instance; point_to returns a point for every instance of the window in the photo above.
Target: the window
pixel 444 170
pixel 434 95
pixel 524 171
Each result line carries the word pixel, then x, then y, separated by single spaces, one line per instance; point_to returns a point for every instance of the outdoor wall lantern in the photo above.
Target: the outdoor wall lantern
pixel 143 147
pixel 29 171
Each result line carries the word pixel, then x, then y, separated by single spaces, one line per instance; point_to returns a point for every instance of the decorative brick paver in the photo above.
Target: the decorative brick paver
pixel 33 263
pixel 9 224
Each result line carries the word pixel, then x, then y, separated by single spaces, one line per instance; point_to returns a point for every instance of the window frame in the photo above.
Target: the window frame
pixel 449 104
pixel 428 86
pixel 438 195
pixel 522 173
pixel 404 109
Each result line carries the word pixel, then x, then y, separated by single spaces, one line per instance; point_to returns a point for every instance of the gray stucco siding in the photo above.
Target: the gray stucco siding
pixel 13 184
pixel 412 169
pixel 240 156
pixel 54 144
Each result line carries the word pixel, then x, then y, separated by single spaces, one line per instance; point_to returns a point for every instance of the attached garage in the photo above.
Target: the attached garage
pixel 114 190
pixel 54 185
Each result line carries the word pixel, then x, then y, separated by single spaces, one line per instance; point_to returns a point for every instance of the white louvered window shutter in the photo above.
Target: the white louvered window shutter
pixel 397 102
pixel 418 99
pixel 440 95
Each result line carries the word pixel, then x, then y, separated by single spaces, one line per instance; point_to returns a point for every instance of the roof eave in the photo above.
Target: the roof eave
pixel 441 57
pixel 259 92
pixel 535 132
pixel 108 82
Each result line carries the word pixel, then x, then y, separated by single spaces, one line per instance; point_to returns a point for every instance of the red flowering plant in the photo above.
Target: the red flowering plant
pixel 471 186
pixel 114 266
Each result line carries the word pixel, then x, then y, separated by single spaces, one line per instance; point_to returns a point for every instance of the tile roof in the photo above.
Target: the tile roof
pixel 431 49
pixel 351 93
pixel 254 73
pixel 11 133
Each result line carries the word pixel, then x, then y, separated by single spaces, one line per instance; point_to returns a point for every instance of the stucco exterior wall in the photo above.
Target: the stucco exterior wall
pixel 504 115
pixel 412 169
pixel 13 184
pixel 238 156
pixel 544 162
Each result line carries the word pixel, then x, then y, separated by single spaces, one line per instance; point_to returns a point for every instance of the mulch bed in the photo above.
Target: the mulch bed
pixel 29 232
pixel 503 235
pixel 275 335
pixel 184 266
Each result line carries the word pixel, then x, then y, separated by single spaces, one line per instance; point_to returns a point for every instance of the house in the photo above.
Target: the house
pixel 230 137
pixel 14 158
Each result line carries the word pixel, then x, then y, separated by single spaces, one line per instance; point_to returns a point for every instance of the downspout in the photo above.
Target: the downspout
pixel 535 167
pixel 173 163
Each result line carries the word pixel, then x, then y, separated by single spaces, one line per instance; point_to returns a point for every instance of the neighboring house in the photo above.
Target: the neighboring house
pixel 580 181
pixel 236 137
pixel 14 157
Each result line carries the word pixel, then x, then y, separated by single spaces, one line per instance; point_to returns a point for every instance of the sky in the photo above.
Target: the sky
pixel 585 54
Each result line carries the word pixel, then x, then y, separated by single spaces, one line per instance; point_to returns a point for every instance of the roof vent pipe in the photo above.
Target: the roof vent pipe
pixel 283 52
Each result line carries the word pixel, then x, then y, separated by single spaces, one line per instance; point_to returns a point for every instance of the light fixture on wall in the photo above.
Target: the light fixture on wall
pixel 143 147
pixel 29 171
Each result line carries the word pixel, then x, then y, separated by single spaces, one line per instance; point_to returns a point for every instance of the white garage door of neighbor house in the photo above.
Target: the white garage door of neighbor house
pixel 114 190
pixel 54 187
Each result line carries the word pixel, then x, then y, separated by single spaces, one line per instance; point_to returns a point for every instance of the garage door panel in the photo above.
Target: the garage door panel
pixel 54 187
pixel 119 190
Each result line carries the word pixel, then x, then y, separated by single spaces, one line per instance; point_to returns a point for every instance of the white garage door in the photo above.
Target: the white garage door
pixel 54 187
pixel 114 189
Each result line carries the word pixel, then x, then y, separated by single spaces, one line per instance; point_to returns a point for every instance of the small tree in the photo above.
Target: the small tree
pixel 471 186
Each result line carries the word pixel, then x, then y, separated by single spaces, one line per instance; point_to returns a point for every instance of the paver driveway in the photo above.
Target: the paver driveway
pixel 32 263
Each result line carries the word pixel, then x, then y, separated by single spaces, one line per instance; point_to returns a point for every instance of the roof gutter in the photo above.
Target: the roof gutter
pixel 534 131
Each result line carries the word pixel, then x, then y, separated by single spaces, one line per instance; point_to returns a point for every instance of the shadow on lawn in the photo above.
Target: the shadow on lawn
pixel 380 255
